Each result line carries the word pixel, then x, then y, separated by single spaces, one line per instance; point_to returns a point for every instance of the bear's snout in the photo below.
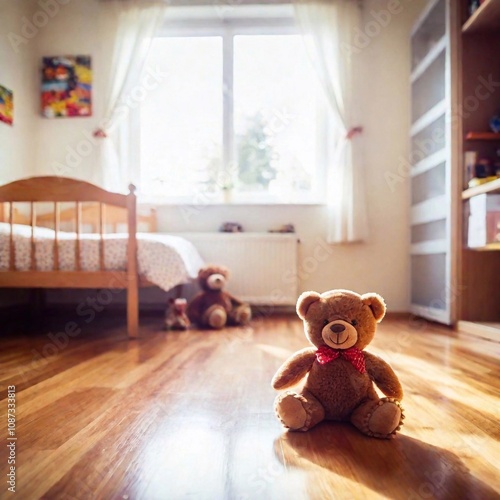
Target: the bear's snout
pixel 216 282
pixel 337 328
pixel 339 334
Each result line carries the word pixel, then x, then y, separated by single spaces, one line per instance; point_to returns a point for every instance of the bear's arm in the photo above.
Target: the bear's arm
pixel 194 308
pixel 294 368
pixel 234 301
pixel 228 301
pixel 383 375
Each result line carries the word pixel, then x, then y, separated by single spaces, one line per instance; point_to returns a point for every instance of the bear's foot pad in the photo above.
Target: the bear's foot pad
pixel 299 412
pixel 243 316
pixel 290 410
pixel 382 419
pixel 217 317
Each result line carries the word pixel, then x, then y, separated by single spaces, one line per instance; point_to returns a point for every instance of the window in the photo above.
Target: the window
pixel 182 123
pixel 237 112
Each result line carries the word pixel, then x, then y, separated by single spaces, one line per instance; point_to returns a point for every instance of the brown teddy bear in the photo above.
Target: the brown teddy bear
pixel 339 385
pixel 213 307
pixel 175 316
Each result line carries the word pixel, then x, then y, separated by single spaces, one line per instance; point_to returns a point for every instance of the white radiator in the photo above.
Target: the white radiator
pixel 263 265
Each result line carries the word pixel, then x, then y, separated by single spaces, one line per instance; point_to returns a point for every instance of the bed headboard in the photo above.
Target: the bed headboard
pixel 114 219
pixel 59 189
pixel 93 204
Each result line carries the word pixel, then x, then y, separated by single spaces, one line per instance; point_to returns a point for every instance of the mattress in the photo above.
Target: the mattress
pixel 164 260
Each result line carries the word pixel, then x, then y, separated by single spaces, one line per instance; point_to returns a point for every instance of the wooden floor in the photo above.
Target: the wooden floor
pixel 190 415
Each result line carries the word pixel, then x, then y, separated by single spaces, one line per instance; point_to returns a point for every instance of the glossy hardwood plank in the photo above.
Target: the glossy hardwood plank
pixel 189 414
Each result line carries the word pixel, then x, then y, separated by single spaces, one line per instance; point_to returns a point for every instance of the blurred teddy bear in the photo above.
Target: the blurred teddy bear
pixel 175 316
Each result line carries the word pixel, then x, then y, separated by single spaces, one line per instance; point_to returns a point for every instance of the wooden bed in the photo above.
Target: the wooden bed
pixel 108 209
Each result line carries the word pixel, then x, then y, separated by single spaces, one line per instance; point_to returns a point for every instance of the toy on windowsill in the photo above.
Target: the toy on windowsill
pixel 213 307
pixel 175 316
pixel 231 227
pixel 285 228
pixel 340 374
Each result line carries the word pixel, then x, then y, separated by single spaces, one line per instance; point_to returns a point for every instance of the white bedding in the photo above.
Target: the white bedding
pixel 164 260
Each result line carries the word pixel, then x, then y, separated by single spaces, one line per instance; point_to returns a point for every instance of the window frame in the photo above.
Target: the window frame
pixel 227 29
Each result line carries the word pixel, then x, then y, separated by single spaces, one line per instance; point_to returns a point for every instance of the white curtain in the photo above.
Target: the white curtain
pixel 137 23
pixel 328 27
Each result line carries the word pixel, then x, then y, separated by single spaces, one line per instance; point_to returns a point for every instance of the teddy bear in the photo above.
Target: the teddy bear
pixel 340 373
pixel 213 307
pixel 175 316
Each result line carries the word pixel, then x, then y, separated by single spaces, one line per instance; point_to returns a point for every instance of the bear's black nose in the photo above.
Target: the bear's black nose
pixel 337 328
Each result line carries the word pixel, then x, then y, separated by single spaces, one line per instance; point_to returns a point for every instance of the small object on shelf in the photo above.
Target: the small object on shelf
pixel 483 171
pixel 285 228
pixel 473 6
pixel 470 159
pixel 231 227
pixel 484 220
pixel 496 168
pixel 484 168
pixel 484 188
pixel 479 182
pixel 485 203
pixel 495 123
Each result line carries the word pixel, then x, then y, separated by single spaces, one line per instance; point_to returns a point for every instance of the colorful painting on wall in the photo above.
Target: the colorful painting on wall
pixel 6 105
pixel 66 86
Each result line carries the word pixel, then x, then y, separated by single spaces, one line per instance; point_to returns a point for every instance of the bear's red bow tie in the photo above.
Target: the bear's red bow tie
pixel 356 357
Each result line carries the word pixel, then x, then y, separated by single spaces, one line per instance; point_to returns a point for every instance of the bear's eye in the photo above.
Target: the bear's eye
pixel 325 322
pixel 354 322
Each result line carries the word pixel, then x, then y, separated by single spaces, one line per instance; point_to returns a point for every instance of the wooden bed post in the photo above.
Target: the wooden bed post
pixel 132 272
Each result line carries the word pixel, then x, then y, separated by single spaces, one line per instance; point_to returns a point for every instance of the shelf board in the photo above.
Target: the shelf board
pixel 431 161
pixel 489 187
pixel 489 247
pixel 428 117
pixel 431 56
pixel 429 210
pixel 486 18
pixel 482 136
pixel 430 247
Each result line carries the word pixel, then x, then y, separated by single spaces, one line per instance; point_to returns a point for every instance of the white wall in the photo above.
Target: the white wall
pixel 75 30
pixel 379 265
pixel 19 74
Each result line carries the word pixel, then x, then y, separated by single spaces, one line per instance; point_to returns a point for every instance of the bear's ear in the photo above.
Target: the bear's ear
pixel 376 303
pixel 305 301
